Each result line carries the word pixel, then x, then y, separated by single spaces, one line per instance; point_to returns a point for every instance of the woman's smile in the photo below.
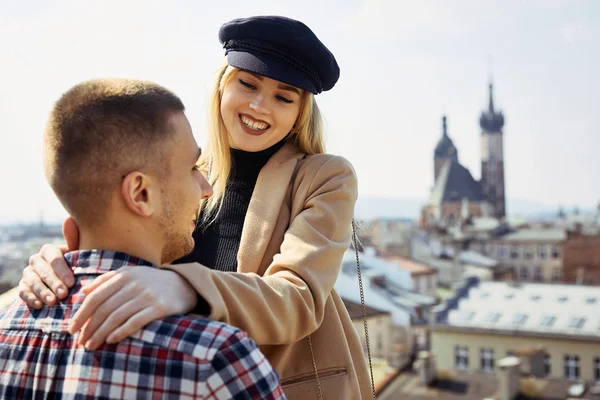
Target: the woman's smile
pixel 253 126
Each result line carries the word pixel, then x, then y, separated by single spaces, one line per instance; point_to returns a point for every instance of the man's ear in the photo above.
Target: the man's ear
pixel 139 194
pixel 71 233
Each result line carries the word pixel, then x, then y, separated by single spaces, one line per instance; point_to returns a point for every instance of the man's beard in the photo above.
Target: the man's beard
pixel 177 242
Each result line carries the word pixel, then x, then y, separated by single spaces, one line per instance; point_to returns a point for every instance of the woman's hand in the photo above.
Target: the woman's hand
pixel 48 276
pixel 120 303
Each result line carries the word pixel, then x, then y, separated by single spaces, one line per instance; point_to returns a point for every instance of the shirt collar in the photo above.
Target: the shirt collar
pixel 102 261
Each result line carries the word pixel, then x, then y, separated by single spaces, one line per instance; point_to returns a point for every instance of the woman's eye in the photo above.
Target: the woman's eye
pixel 285 100
pixel 248 85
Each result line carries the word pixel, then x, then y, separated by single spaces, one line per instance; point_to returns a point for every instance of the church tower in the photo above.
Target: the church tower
pixel 444 151
pixel 492 158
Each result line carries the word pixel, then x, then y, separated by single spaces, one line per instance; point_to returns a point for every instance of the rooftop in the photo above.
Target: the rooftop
pixel 477 259
pixel 356 310
pixel 483 224
pixel 347 287
pixel 415 267
pixel 454 184
pixel 369 261
pixel 530 308
pixel 462 385
pixel 535 235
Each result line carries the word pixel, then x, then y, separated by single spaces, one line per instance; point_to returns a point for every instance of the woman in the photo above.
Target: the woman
pixel 274 232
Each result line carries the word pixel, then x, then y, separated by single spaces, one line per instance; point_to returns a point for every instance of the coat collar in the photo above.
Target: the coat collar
pixel 263 210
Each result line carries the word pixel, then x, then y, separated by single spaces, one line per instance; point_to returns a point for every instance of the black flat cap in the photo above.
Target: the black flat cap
pixel 280 48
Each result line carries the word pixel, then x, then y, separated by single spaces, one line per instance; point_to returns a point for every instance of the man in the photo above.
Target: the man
pixel 121 157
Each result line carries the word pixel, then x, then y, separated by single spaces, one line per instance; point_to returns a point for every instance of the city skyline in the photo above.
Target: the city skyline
pixel 404 65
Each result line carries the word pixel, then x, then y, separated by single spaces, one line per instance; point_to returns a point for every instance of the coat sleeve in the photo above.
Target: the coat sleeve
pixel 288 302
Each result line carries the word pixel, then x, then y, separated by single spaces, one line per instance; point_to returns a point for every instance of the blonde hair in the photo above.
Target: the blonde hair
pixel 307 136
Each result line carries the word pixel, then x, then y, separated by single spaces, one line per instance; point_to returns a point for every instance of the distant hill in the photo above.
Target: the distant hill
pixel 388 207
pixel 410 208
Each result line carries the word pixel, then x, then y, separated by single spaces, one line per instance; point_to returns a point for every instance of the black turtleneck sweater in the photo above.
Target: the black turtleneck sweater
pixel 217 244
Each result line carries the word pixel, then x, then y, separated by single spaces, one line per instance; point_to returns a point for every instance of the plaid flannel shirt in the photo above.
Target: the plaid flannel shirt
pixel 176 357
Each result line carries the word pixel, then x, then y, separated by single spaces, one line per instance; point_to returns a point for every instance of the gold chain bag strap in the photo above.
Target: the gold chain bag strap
pixel 364 308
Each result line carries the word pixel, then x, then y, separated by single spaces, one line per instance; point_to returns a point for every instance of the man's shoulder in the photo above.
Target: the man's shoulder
pixel 198 337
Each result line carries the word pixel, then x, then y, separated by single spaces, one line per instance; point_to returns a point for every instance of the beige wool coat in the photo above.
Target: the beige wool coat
pixel 296 231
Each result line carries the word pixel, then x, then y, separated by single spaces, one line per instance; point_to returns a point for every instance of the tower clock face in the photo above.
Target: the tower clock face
pixel 451 150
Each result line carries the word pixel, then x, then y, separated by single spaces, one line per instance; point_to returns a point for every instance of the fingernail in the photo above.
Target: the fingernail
pixel 90 344
pixel 61 291
pixel 110 338
pixel 37 304
pixel 48 299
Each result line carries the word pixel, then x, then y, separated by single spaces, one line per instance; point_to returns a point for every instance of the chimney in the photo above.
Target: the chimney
pixel 532 361
pixel 425 366
pixel 508 374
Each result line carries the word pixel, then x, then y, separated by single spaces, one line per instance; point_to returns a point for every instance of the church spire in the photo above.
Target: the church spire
pixel 444 127
pixel 491 109
pixel 491 121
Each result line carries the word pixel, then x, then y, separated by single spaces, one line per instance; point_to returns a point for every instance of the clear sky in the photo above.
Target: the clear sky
pixel 403 65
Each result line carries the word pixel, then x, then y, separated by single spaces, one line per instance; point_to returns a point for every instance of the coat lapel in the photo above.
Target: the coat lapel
pixel 264 207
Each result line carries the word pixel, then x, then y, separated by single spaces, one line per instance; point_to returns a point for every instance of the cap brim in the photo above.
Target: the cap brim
pixel 271 68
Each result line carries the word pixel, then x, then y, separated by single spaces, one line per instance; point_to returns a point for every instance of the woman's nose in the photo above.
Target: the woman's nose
pixel 206 188
pixel 259 105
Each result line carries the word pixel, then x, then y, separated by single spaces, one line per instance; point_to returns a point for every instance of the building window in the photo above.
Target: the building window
pixel 547 365
pixel 548 321
pixel 487 360
pixel 519 319
pixel 524 273
pixel 528 252
pixel 461 357
pixel 542 251
pixel 597 370
pixel 501 252
pixel 556 274
pixel 572 367
pixel 514 252
pixel 555 252
pixel 467 316
pixel 537 274
pixel 576 323
pixel 417 283
pixel 451 219
pixel 493 317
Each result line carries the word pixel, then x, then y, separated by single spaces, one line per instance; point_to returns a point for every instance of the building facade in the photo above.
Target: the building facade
pixel 533 254
pixel 487 321
pixel 581 256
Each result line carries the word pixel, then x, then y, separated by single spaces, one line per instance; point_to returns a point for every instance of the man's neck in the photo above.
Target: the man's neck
pixel 132 239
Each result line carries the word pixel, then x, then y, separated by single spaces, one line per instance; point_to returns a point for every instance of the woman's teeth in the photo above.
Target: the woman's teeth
pixel 254 125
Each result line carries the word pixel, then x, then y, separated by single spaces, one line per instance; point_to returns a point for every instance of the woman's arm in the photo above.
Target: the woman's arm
pixel 288 302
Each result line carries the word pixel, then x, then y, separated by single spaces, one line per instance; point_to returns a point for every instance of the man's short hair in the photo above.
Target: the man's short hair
pixel 97 133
